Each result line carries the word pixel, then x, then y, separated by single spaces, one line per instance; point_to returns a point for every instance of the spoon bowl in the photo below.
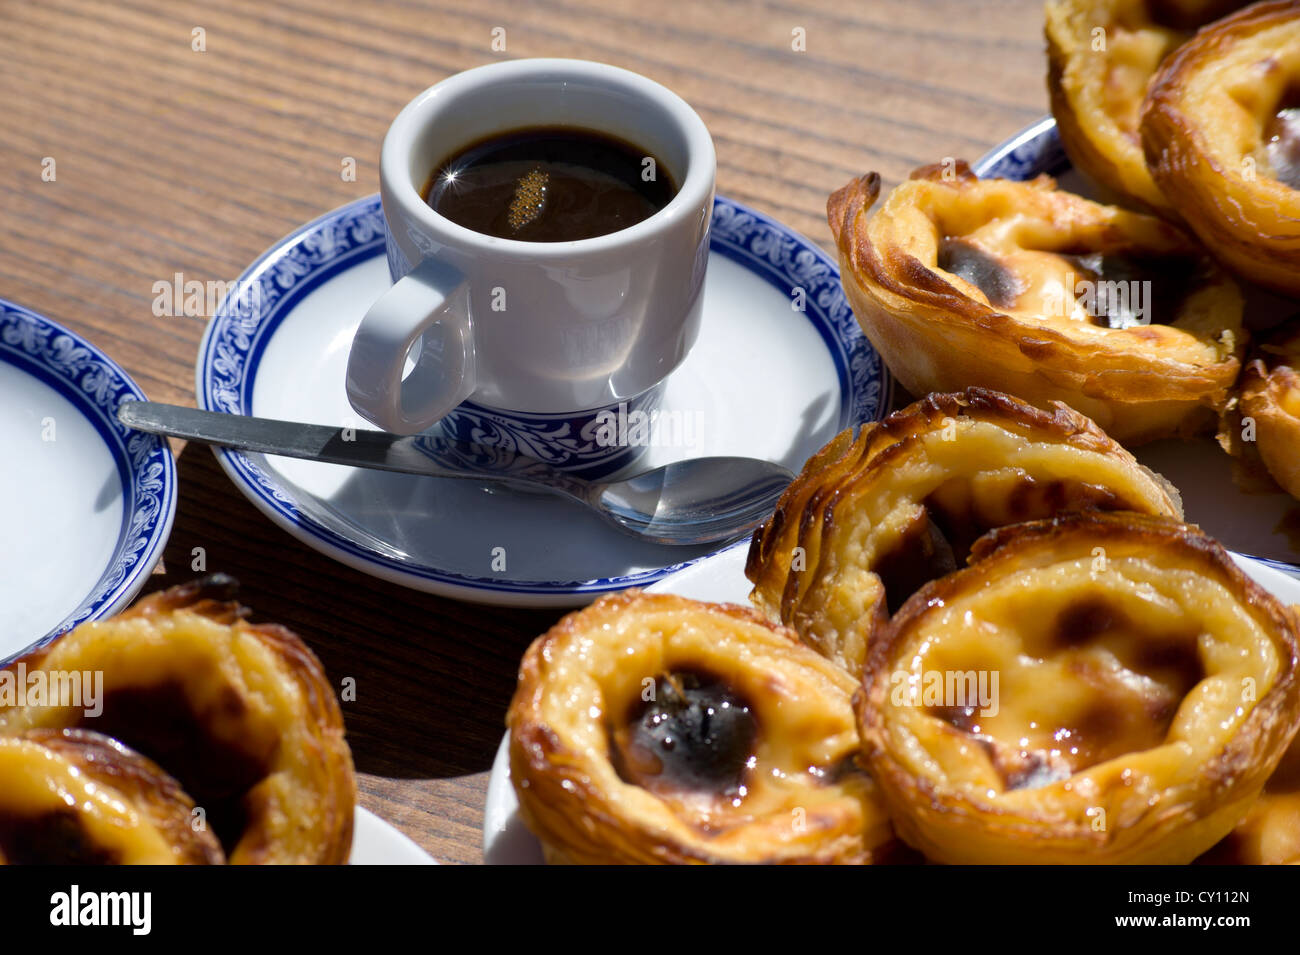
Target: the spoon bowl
pixel 699 501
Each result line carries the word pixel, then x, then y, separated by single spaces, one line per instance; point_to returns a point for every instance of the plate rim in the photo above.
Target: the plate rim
pixel 95 385
pixel 1036 146
pixel 358 228
pixel 364 818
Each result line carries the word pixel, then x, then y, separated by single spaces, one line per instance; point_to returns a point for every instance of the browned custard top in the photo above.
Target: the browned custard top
pixel 217 753
pixel 1282 141
pixel 981 268
pixel 1087 669
pixel 951 518
pixel 81 799
pixel 1112 288
pixel 696 734
pixel 53 837
pixel 1242 93
pixel 1130 680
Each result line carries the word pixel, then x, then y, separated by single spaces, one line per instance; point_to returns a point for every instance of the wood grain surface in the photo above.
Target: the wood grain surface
pixel 170 159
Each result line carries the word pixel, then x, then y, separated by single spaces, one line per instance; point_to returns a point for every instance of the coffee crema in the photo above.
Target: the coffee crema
pixel 549 184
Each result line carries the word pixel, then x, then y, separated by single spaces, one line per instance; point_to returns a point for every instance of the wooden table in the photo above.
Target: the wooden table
pixel 172 159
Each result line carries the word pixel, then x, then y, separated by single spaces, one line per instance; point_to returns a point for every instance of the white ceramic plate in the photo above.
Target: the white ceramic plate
pixel 86 504
pixel 720 578
pixel 375 842
pixel 1262 523
pixel 763 380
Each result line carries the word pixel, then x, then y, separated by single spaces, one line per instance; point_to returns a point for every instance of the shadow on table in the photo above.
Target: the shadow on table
pixel 433 677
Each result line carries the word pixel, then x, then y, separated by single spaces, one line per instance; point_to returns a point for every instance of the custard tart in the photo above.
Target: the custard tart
pixel 1022 288
pixel 240 714
pixel 1221 131
pixel 1097 688
pixel 1270 404
pixel 652 729
pixel 76 797
pixel 1101 55
pixel 872 518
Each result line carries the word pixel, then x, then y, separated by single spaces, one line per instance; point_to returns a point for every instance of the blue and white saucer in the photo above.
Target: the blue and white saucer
pixel 1261 522
pixel 86 503
pixel 765 379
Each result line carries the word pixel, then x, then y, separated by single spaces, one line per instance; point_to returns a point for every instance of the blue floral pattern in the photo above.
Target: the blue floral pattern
pixel 791 261
pixel 345 236
pixel 1034 150
pixel 565 441
pixel 97 386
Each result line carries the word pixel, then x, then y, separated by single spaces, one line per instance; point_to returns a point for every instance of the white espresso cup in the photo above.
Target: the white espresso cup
pixel 521 344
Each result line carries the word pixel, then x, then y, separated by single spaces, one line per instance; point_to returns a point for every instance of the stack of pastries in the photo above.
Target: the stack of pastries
pixel 198 738
pixel 980 633
pixel 1185 115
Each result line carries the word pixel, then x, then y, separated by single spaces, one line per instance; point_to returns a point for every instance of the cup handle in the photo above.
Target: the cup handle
pixel 430 305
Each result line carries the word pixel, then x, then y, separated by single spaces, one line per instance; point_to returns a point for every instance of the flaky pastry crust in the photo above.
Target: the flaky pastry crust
pixel 1101 55
pixel 76 797
pixel 1221 133
pixel 1270 399
pixel 1024 289
pixel 240 714
pixel 1146 690
pixel 871 518
pixel 652 729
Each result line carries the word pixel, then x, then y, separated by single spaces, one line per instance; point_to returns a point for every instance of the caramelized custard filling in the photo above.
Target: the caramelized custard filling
pixel 1107 289
pixel 938 539
pixel 160 723
pixel 1121 290
pixel 694 736
pixel 982 269
pixel 1282 141
pixel 1128 681
pixel 50 838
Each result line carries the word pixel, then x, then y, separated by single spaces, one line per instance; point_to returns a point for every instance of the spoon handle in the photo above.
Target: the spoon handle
pixel 424 454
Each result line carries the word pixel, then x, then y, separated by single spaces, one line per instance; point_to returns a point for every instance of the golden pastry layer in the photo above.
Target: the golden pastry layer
pixel 79 798
pixel 1110 689
pixel 1101 54
pixel 655 729
pixel 1221 132
pixel 872 518
pixel 1270 399
pixel 240 714
pixel 1024 289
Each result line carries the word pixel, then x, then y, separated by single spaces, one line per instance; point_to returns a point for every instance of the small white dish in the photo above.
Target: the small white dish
pixel 1264 523
pixel 720 578
pixel 780 366
pixel 376 842
pixel 86 503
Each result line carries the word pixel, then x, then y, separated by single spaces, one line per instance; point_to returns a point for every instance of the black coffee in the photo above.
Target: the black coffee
pixel 549 184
